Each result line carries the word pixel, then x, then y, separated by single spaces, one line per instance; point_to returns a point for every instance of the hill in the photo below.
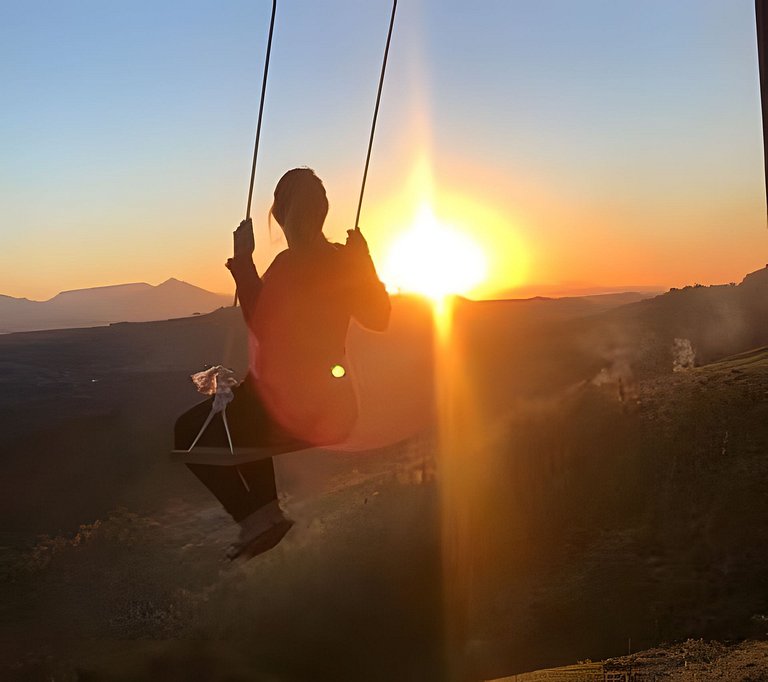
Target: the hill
pixel 716 320
pixel 549 345
pixel 612 498
pixel 98 306
pixel 644 519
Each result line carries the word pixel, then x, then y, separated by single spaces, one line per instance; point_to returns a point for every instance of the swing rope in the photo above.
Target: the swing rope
pixel 261 109
pixel 258 122
pixel 375 114
pixel 253 176
pixel 761 22
pixel 373 124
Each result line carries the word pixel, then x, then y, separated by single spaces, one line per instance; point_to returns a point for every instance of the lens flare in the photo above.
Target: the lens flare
pixel 434 259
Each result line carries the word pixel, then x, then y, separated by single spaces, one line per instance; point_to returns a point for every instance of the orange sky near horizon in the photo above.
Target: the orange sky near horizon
pixel 535 241
pixel 516 238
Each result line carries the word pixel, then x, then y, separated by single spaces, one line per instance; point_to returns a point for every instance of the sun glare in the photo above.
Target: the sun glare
pixel 434 259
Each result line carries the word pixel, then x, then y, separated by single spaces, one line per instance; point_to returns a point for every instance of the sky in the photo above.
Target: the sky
pixel 600 144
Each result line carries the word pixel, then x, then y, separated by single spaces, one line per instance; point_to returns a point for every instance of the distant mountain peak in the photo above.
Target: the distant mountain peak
pixel 135 302
pixel 179 285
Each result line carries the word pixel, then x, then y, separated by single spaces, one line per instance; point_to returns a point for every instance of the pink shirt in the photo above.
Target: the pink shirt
pixel 298 314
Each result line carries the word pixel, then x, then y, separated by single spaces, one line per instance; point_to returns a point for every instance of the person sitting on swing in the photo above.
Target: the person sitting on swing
pixel 298 392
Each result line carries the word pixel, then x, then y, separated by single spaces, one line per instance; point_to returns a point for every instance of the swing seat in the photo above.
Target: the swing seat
pixel 254 435
pixel 222 456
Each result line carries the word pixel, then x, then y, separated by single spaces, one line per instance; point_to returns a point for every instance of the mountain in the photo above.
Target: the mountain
pixel 541 346
pixel 715 321
pixel 138 302
pixel 576 289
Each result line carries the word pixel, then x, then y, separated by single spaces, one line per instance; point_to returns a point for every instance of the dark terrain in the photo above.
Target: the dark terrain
pixel 612 498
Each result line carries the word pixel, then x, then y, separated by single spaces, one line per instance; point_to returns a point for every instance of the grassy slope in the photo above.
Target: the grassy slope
pixel 645 520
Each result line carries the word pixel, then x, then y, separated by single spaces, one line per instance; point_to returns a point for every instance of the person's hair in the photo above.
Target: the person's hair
pixel 300 197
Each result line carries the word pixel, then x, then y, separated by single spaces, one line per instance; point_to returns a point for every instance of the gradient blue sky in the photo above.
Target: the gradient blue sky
pixel 619 140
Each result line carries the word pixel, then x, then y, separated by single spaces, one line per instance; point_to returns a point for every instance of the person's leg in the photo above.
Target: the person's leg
pixel 262 495
pixel 247 492
pixel 259 476
pixel 243 489
pixel 240 493
pixel 255 509
pixel 228 488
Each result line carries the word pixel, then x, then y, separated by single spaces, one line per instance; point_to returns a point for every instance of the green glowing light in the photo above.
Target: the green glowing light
pixel 338 371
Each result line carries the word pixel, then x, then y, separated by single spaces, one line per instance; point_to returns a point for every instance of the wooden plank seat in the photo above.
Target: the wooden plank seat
pixel 221 456
pixel 252 433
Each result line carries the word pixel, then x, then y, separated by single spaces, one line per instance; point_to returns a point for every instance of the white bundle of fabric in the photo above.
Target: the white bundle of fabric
pixel 217 381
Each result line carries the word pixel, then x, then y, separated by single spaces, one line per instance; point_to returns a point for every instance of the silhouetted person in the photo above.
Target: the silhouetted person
pixel 298 392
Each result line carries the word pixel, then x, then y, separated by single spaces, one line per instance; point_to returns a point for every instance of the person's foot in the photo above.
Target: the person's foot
pixel 260 531
pixel 261 543
pixel 259 521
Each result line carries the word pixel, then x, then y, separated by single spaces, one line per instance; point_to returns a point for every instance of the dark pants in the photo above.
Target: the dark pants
pixel 245 488
pixel 225 483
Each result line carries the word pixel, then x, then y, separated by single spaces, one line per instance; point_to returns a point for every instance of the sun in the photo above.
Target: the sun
pixel 434 259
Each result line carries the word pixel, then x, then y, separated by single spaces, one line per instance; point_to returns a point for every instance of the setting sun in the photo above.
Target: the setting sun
pixel 438 239
pixel 434 259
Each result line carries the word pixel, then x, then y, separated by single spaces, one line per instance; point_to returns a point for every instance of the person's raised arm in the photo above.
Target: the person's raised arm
pixel 370 301
pixel 242 268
